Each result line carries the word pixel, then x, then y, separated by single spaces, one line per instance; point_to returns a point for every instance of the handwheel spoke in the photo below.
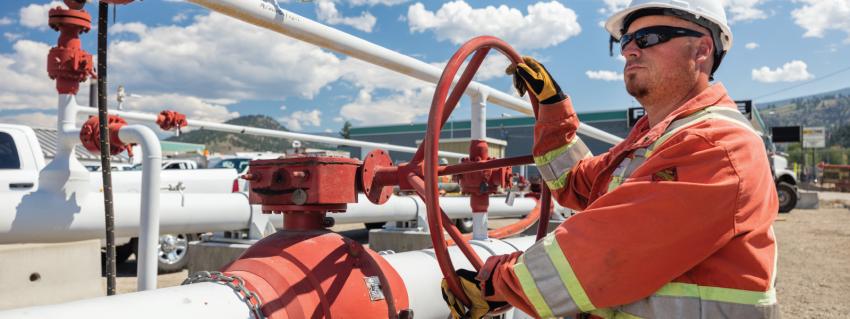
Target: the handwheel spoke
pixel 464 246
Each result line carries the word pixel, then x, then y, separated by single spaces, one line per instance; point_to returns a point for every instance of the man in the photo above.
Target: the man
pixel 676 221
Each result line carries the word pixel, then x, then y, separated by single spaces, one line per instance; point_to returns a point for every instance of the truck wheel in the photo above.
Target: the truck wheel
pixel 787 194
pixel 173 252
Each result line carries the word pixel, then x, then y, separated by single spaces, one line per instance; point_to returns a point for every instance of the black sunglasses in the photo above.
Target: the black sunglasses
pixel 655 35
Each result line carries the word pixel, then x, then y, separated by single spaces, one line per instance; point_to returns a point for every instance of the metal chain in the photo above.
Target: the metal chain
pixel 237 283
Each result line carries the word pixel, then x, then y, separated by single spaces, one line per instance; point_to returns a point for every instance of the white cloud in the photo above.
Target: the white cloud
pixel 338 119
pixel 751 46
pixel 612 6
pixel 12 36
pixel 34 119
pixel 25 81
pixel 375 2
pixel 546 24
pixel 326 12
pixel 604 75
pixel 36 15
pixel 132 27
pixel 219 57
pixel 6 21
pixel 621 58
pixel 743 10
pixel 789 72
pixel 180 17
pixel 283 107
pixel 819 16
pixel 403 107
pixel 298 119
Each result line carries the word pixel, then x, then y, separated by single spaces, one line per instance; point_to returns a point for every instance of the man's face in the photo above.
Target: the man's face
pixel 665 68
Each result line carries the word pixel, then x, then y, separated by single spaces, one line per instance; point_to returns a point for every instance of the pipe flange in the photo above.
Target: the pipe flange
pixel 60 18
pixel 377 194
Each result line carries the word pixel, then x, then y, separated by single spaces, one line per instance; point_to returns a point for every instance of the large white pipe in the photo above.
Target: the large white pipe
pixel 267 14
pixel 147 253
pixel 41 217
pixel 418 270
pixel 230 128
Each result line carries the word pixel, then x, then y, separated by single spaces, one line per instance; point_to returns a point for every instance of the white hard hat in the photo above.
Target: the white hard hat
pixel 706 13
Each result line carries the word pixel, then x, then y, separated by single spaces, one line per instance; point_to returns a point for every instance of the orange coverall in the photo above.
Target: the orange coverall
pixel 687 234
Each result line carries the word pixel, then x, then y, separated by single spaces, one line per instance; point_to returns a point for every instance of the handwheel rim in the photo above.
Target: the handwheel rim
pixel 436 119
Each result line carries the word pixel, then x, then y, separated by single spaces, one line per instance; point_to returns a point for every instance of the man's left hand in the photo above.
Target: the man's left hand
pixel 473 290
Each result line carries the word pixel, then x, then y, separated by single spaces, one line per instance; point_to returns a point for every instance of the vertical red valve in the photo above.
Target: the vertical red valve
pixel 480 184
pixel 90 135
pixel 67 62
pixel 169 120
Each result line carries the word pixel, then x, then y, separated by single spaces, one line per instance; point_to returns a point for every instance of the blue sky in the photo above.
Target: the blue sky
pixel 176 55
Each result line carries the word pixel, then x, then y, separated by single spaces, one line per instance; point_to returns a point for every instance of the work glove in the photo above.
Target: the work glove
pixel 533 76
pixel 475 292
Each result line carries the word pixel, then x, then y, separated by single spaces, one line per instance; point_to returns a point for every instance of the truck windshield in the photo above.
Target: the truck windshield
pixel 237 163
pixel 8 153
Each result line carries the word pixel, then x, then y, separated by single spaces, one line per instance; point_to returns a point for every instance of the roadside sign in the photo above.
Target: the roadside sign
pixel 746 108
pixel 814 137
pixel 634 114
pixel 785 134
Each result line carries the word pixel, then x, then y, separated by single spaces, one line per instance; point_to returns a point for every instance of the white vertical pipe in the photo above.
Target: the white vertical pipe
pixel 479 115
pixel 149 234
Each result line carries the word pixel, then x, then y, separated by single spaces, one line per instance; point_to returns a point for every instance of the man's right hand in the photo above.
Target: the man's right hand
pixel 534 77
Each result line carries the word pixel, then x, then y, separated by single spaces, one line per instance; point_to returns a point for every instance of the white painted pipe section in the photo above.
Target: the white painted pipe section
pixel 418 270
pixel 479 116
pixel 64 176
pixel 147 252
pixel 267 14
pixel 208 180
pixel 421 273
pixel 230 128
pixel 42 217
pixel 408 208
pixel 479 226
pixel 201 300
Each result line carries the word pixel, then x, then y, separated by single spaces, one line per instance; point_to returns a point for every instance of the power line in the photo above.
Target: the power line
pixel 802 84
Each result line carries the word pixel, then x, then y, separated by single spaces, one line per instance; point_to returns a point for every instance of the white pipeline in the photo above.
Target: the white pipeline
pixel 418 269
pixel 147 253
pixel 266 14
pixel 230 128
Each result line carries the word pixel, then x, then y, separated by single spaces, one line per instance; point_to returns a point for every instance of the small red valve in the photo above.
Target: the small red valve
pixel 169 120
pixel 90 135
pixel 480 184
pixel 67 62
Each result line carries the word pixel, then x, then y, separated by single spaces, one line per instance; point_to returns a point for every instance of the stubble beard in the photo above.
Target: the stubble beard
pixel 635 87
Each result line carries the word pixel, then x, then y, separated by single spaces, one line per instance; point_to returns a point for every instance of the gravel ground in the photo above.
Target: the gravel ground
pixel 814 250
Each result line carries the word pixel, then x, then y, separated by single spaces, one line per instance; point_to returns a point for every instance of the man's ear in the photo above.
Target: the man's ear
pixel 704 50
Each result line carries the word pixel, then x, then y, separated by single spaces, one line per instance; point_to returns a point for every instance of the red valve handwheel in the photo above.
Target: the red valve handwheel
pixel 441 108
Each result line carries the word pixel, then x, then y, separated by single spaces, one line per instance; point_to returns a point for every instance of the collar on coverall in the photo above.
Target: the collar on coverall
pixel 642 136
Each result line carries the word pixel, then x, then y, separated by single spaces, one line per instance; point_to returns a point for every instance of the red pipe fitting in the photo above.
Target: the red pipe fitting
pixel 90 135
pixel 480 184
pixel 67 62
pixel 169 120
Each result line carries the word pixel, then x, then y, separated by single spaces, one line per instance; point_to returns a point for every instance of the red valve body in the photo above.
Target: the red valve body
pixel 480 184
pixel 303 184
pixel 90 135
pixel 168 120
pixel 67 62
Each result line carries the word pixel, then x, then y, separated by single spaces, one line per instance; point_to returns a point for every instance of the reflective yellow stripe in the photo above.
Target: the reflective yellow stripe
pixel 677 289
pixel 565 271
pixel 551 155
pixel 530 289
pixel 558 183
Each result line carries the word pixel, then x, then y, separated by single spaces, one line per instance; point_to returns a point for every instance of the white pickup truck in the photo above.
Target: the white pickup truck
pixel 21 160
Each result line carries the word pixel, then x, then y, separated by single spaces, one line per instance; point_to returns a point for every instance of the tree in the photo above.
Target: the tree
pixel 345 132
